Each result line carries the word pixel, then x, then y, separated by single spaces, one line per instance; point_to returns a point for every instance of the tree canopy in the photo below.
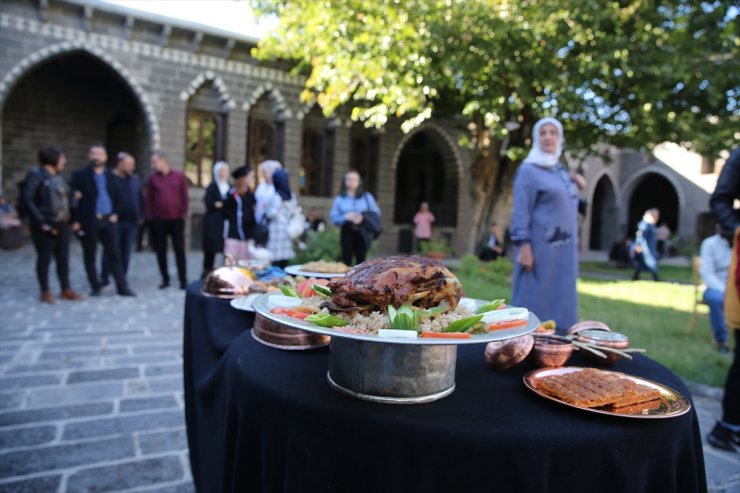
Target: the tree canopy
pixel 631 73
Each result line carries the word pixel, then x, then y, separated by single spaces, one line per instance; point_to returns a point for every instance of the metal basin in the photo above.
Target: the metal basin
pixel 391 373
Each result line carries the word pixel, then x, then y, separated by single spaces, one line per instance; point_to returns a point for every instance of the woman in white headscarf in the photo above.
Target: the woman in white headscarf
pixel 213 221
pixel 263 196
pixel 544 228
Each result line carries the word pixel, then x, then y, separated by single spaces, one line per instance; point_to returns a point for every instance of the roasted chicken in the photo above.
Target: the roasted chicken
pixel 396 281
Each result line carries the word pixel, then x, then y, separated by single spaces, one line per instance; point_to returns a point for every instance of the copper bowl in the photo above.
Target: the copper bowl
pixel 588 325
pixel 281 336
pixel 602 338
pixel 550 351
pixel 502 355
pixel 229 281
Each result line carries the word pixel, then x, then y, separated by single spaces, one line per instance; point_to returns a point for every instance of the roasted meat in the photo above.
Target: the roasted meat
pixel 375 284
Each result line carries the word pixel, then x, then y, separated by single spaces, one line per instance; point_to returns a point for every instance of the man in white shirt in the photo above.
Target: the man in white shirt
pixel 715 263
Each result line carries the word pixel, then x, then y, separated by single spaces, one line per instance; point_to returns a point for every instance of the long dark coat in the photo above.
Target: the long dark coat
pixel 213 221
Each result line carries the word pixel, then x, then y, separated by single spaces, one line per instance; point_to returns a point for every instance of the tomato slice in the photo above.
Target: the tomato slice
pixel 444 335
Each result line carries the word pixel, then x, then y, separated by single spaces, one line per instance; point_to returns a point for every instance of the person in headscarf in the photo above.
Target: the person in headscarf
pixel 239 210
pixel 279 211
pixel 213 221
pixel 265 189
pixel 544 229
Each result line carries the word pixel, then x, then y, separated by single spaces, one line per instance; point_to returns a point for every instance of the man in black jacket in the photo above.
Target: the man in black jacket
pixel 726 432
pixel 46 197
pixel 95 214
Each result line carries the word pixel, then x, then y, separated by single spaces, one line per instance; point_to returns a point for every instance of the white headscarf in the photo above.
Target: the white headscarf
pixel 269 167
pixel 537 155
pixel 223 185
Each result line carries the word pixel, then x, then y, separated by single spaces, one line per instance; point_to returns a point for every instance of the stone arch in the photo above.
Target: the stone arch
pixel 225 98
pixel 276 97
pixel 15 74
pixel 428 168
pixel 634 181
pixel 451 145
pixel 603 211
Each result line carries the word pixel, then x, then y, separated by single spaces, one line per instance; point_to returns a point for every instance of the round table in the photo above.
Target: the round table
pixel 262 419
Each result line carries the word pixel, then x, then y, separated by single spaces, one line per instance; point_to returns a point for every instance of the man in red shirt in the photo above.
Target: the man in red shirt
pixel 166 206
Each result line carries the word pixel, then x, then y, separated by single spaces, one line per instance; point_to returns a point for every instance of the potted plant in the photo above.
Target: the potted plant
pixel 436 248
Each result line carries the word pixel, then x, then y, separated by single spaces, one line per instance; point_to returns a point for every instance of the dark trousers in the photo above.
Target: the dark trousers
pixel 126 238
pixel 488 254
pixel 106 232
pixel 731 400
pixel 353 244
pixel 159 229
pixel 47 244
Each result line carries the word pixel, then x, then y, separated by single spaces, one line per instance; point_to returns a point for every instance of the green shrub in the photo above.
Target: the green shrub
pixel 436 244
pixel 496 272
pixel 322 245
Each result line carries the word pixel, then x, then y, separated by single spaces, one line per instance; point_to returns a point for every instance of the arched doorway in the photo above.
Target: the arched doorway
pixel 71 99
pixel 266 129
pixel 654 190
pixel 604 219
pixel 317 155
pixel 426 173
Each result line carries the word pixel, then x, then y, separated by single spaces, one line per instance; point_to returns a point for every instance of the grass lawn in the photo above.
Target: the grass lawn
pixel 655 316
pixel 667 272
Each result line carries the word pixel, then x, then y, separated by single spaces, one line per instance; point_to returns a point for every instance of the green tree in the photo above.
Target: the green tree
pixel 632 73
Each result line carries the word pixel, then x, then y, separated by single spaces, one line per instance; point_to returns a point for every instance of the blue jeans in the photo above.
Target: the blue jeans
pixel 715 300
pixel 126 239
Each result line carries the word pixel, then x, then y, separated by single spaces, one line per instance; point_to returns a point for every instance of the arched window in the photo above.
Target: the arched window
pixel 266 131
pixel 317 155
pixel 205 138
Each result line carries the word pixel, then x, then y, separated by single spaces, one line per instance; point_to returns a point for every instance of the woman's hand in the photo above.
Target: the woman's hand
pixel 579 180
pixel 218 204
pixel 525 258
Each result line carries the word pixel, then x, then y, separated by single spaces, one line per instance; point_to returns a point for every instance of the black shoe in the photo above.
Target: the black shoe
pixel 183 284
pixel 95 292
pixel 126 292
pixel 724 438
pixel 104 284
pixel 164 285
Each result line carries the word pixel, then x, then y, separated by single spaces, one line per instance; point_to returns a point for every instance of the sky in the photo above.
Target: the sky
pixel 231 15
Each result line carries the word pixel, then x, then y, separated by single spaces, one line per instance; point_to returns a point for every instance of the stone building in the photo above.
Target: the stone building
pixel 76 71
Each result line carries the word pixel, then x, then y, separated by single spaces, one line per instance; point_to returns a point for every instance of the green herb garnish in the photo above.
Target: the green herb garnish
pixel 404 318
pixel 289 290
pixel 488 307
pixel 322 291
pixel 463 324
pixel 326 320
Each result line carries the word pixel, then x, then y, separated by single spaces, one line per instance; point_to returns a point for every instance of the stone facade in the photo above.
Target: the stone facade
pixel 130 80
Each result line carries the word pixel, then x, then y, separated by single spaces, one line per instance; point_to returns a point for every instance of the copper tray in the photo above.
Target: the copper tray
pixel 672 403
pixel 281 336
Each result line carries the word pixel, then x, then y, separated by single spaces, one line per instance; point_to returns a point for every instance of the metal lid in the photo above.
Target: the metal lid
pixel 228 281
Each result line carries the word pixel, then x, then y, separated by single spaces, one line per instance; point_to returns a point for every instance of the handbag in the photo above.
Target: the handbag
pixel 262 231
pixel 296 223
pixel 371 222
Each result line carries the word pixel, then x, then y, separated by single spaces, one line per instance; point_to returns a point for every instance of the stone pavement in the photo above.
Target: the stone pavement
pixel 91 392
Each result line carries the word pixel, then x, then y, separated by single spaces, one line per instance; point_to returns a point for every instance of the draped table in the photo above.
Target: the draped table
pixel 262 419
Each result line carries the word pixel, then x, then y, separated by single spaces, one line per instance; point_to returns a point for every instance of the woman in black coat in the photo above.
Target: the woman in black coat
pixel 213 221
pixel 239 205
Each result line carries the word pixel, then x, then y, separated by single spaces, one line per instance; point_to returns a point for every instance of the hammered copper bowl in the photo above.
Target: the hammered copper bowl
pixel 281 336
pixel 601 338
pixel 588 325
pixel 228 282
pixel 502 355
pixel 550 352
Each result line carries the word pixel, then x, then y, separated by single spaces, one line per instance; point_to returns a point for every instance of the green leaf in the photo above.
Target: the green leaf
pixel 322 291
pixel 326 320
pixel 463 324
pixel 289 290
pixel 493 305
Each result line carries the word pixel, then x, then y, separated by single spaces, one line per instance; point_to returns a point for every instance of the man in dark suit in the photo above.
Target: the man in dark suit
pixel 95 216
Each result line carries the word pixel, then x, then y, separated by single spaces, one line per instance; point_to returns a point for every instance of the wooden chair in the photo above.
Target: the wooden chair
pixel 699 288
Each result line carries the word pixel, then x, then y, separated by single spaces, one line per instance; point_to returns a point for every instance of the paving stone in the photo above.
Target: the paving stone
pixel 159 370
pixel 125 476
pixel 55 413
pixel 64 456
pixel 27 436
pixel 123 424
pixel 86 353
pixel 75 393
pixel 185 487
pixel 33 485
pixel 145 359
pixel 20 382
pixel 164 441
pixel 11 400
pixel 147 403
pixel 155 385
pixel 47 366
pixel 158 349
pixel 96 375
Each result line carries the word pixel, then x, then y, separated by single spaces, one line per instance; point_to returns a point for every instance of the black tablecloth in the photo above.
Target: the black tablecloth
pixel 262 419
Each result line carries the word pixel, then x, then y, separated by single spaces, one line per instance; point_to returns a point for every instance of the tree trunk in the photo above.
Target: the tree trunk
pixel 484 177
